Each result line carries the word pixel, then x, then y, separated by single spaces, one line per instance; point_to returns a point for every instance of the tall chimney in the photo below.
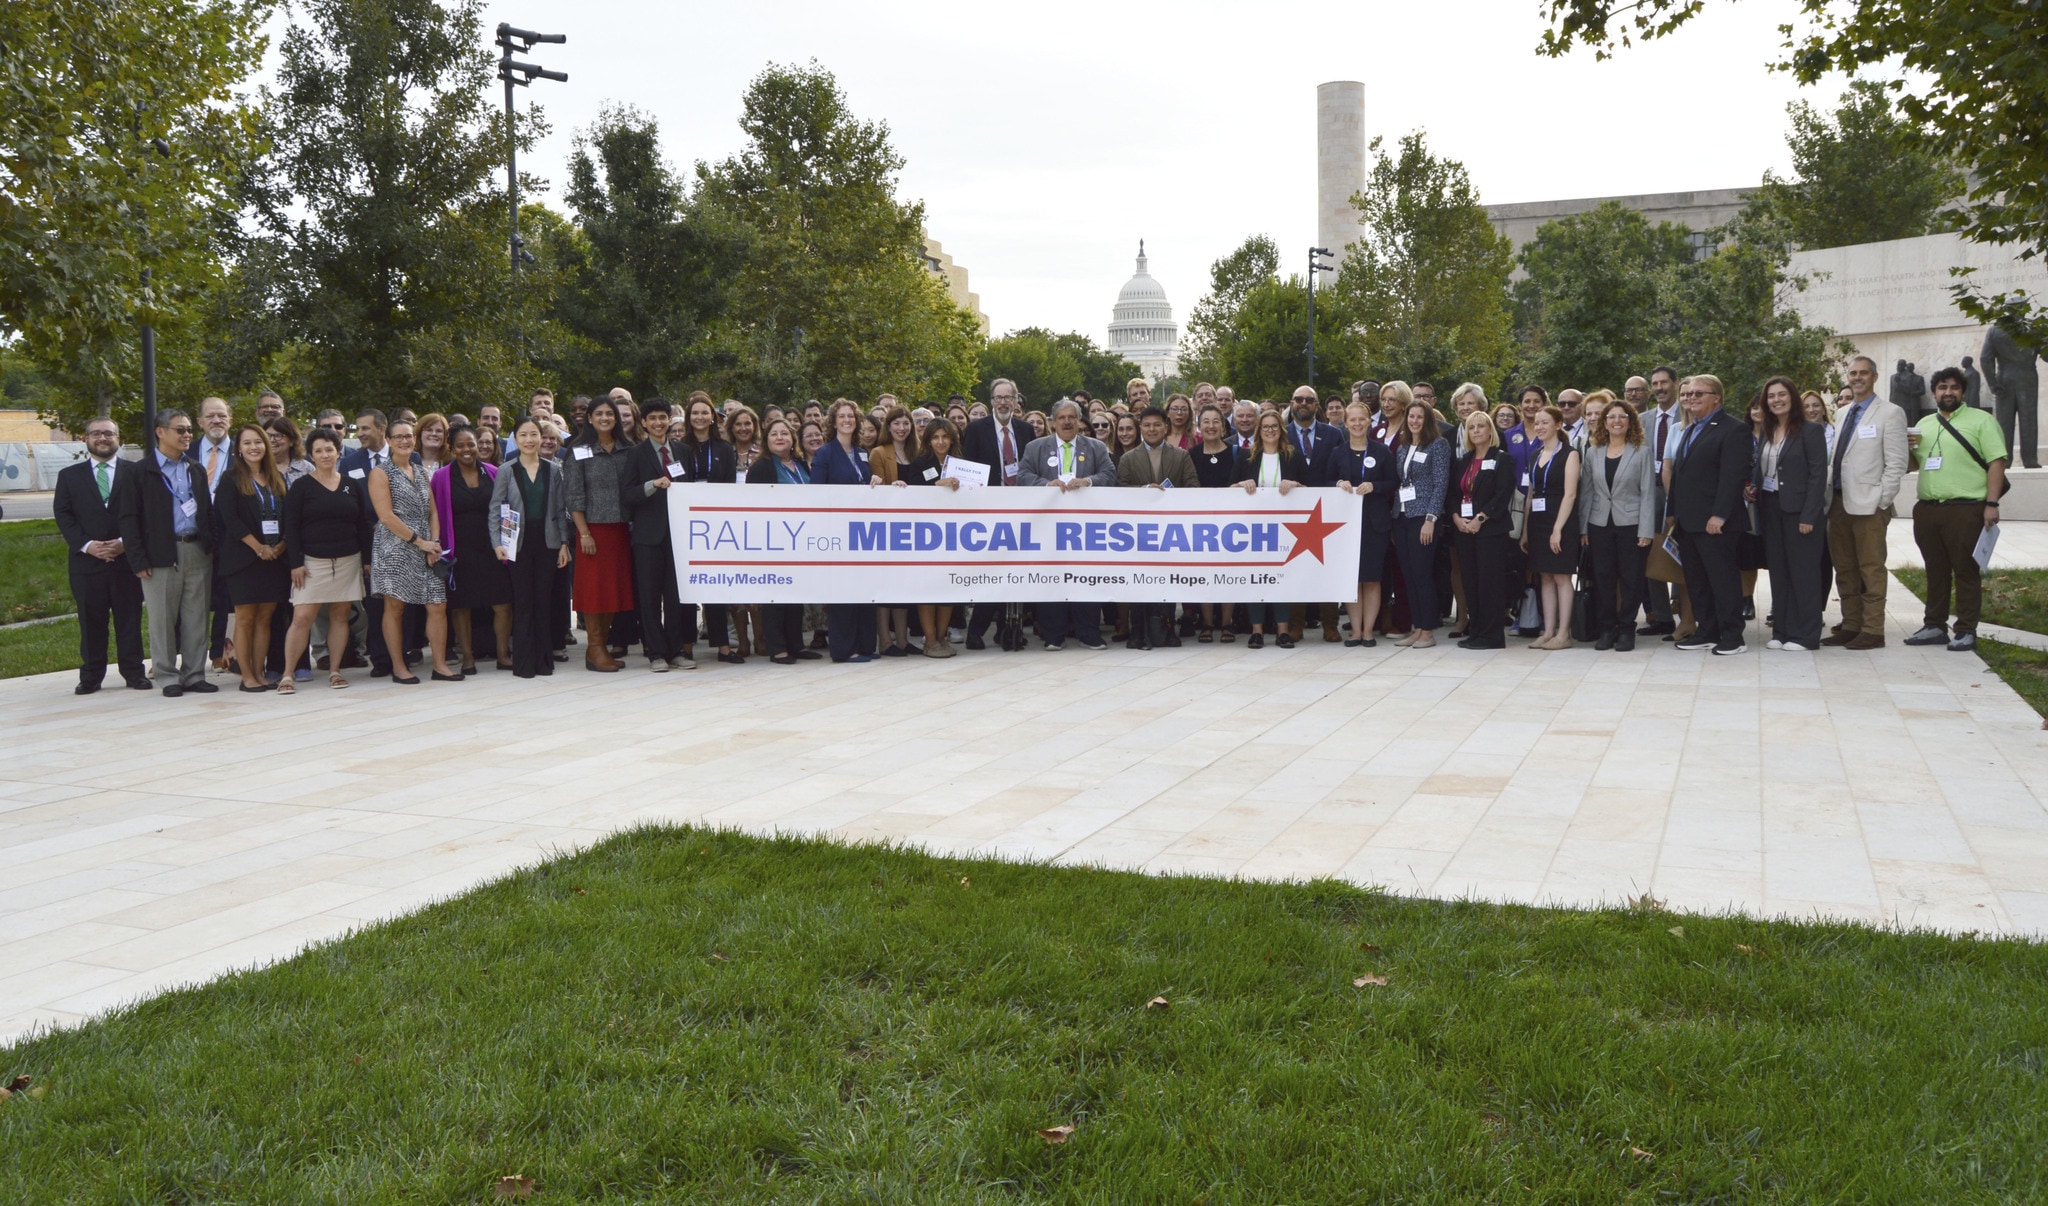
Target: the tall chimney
pixel 1340 163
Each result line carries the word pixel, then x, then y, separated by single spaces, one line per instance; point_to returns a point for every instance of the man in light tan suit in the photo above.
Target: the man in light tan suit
pixel 1160 464
pixel 1868 467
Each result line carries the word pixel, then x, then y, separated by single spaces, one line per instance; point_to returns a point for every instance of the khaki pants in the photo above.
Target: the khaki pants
pixel 177 598
pixel 1856 542
pixel 1947 535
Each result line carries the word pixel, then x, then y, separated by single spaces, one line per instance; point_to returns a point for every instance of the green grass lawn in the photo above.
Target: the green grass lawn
pixel 2016 598
pixel 2024 670
pixel 685 1016
pixel 32 578
pixel 41 648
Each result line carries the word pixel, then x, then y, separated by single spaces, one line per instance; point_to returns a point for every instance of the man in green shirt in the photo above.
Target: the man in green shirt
pixel 1961 457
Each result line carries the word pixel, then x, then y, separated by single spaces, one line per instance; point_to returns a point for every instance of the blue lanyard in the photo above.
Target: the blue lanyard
pixel 1539 474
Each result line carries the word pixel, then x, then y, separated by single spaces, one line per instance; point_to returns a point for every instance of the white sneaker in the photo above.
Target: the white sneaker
pixel 682 663
pixel 657 665
pixel 1774 643
pixel 1796 647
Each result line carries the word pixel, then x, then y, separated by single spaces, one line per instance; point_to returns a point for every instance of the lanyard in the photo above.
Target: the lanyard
pixel 705 450
pixel 1539 473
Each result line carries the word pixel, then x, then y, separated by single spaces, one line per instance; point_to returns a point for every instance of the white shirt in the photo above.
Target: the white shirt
pixel 206 448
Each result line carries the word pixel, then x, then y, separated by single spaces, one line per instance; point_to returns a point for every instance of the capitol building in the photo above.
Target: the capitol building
pixel 1141 328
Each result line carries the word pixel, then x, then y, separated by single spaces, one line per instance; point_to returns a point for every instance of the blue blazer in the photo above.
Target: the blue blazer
pixel 1349 467
pixel 833 466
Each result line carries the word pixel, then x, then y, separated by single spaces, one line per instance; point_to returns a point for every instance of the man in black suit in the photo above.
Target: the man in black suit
pixel 101 582
pixel 357 463
pixel 164 510
pixel 651 467
pixel 996 440
pixel 1318 443
pixel 1708 472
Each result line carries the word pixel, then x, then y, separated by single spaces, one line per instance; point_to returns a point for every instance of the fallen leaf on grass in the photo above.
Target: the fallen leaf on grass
pixel 721 956
pixel 1056 1134
pixel 1640 1154
pixel 579 892
pixel 1747 950
pixel 1158 1003
pixel 1369 981
pixel 1368 946
pixel 19 1083
pixel 512 1187
pixel 963 882
pixel 1677 930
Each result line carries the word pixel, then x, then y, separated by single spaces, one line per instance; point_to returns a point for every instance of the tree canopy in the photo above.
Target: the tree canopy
pixel 1046 367
pixel 1863 175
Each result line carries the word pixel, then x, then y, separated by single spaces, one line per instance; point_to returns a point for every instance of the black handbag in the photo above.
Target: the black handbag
pixel 1582 610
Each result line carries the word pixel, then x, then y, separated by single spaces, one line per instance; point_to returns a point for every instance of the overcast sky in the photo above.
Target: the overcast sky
pixel 1046 138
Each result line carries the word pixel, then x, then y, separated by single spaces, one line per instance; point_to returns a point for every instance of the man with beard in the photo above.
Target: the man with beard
pixel 1961 456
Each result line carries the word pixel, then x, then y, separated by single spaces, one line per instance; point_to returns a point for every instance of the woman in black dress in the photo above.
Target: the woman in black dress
pixel 1365 467
pixel 1215 459
pixel 928 468
pixel 1550 535
pixel 462 493
pixel 251 509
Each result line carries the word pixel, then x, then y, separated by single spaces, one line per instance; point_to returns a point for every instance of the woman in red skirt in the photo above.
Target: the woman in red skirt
pixel 594 465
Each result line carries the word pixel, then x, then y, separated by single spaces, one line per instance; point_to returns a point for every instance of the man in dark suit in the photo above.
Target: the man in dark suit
pixel 357 463
pixel 651 467
pixel 1707 476
pixel 164 511
pixel 1317 442
pixel 996 440
pixel 101 582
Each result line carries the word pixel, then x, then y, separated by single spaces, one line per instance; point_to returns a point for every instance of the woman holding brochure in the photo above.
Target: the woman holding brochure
pixel 934 466
pixel 1271 462
pixel 530 534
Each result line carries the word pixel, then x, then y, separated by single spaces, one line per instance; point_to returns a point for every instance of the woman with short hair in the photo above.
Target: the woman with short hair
pixel 325 538
pixel 406 549
pixel 462 501
pixel 1365 466
pixel 530 535
pixel 433 438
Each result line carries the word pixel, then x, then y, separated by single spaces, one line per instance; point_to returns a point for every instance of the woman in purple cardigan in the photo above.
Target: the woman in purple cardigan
pixel 478 580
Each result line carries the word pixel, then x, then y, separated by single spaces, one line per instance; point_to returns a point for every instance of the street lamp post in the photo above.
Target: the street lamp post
pixel 518 74
pixel 1316 256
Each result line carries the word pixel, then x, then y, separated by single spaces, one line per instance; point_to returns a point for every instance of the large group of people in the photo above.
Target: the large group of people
pixel 443 543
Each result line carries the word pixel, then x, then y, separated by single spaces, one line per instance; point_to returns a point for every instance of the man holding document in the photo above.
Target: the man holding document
pixel 1071 461
pixel 1961 455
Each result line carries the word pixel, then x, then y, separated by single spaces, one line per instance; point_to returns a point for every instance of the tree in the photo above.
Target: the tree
pixel 121 142
pixel 385 252
pixel 1863 176
pixel 649 272
pixel 1212 323
pixel 1728 313
pixel 1047 367
pixel 1589 308
pixel 1266 354
pixel 834 297
pixel 1427 285
pixel 1978 79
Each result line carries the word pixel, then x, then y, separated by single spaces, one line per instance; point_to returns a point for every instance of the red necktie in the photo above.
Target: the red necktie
pixel 1009 457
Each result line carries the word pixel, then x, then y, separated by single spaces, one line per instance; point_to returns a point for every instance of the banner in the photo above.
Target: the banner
pixel 885 544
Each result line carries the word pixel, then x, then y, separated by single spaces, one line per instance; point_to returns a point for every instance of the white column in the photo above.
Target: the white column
pixel 1340 164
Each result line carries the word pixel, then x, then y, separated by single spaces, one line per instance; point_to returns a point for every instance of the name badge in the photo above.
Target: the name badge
pixel 1420 457
pixel 1465 510
pixel 189 508
pixel 676 469
pixel 270 527
pixel 1770 481
pixel 1933 462
pixel 1539 503
pixel 1407 494
pixel 357 474
pixel 1867 432
pixel 582 452
pixel 1487 463
pixel 1525 481
pixel 931 474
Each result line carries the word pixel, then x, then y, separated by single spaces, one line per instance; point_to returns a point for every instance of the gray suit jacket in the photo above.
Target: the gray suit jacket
pixel 1040 465
pixel 1632 499
pixel 505 490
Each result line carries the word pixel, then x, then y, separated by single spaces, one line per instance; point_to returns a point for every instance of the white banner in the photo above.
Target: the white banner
pixel 884 544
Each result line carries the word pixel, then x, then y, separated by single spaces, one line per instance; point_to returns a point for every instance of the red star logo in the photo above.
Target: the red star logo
pixel 1309 533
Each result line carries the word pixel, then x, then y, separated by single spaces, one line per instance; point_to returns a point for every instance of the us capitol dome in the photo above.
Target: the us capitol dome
pixel 1141 328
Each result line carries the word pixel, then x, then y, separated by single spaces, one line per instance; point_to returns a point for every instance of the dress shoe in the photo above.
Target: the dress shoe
pixel 439 677
pixel 1257 641
pixel 1866 640
pixel 138 684
pixel 1172 640
pixel 1659 628
pixel 975 643
pixel 1838 638
pixel 1286 641
pixel 1605 643
pixel 1932 634
pixel 200 688
pixel 173 691
pixel 1330 633
pixel 806 655
pixel 85 688
pixel 1625 640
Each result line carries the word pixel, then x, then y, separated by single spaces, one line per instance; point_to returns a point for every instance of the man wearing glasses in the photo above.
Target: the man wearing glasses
pixel 165 513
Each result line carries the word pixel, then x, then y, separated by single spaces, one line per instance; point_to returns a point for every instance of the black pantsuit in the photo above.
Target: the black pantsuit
pixel 534 582
pixel 1618 563
pixel 1799 572
pixel 1418 569
pixel 850 627
pixel 1483 560
pixel 661 607
pixel 782 628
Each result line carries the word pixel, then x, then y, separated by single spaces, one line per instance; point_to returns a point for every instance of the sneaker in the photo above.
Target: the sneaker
pixel 1932 634
pixel 1730 650
pixel 1965 642
pixel 1774 643
pixel 1795 647
pixel 1695 643
pixel 657 665
pixel 679 663
pixel 860 658
pixel 1055 646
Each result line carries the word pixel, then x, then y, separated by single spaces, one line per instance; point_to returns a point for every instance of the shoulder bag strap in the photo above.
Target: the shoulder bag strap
pixel 1971 449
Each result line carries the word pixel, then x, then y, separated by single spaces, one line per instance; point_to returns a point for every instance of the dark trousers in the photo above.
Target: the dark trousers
pixel 1617 575
pixel 1713 580
pixel 1483 560
pixel 1418 570
pixel 983 615
pixel 1082 621
pixel 101 590
pixel 223 613
pixel 374 650
pixel 533 605
pixel 1261 613
pixel 561 613
pixel 661 606
pixel 782 627
pixel 851 627
pixel 1798 567
pixel 715 634
pixel 1947 535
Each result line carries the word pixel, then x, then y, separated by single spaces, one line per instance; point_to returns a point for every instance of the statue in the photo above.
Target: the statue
pixel 2016 384
pixel 1909 391
pixel 1973 386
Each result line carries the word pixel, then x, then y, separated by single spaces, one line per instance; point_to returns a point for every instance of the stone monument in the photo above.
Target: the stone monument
pixel 1340 165
pixel 1973 385
pixel 2016 384
pixel 1909 391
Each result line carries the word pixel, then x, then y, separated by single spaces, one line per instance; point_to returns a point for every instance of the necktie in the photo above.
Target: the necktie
pixel 1009 457
pixel 1066 459
pixel 1843 434
pixel 212 465
pixel 1308 441
pixel 105 478
pixel 1663 431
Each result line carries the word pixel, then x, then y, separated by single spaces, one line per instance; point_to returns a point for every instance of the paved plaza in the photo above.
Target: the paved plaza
pixel 146 843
